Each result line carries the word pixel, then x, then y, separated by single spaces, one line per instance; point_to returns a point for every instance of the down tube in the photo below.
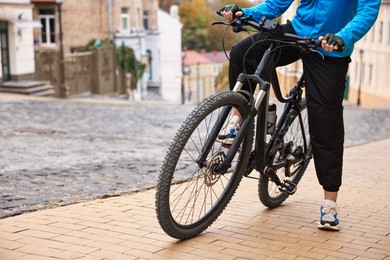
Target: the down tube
pixel 261 133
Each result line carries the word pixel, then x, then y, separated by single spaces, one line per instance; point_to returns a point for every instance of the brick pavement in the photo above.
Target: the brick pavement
pixel 125 227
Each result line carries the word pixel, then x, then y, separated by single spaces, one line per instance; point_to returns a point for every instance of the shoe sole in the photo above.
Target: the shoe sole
pixel 327 226
pixel 227 141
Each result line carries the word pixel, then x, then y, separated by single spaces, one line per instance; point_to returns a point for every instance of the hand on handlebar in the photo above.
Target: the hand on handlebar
pixel 331 43
pixel 229 12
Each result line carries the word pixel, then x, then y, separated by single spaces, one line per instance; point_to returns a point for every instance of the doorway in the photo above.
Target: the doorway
pixel 5 66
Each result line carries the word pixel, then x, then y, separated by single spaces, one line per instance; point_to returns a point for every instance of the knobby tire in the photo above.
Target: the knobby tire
pixel 189 198
pixel 268 192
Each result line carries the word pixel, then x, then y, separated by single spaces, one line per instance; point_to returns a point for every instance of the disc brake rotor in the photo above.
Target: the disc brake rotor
pixel 211 177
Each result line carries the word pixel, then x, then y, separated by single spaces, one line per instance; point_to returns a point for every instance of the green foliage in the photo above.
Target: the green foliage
pixel 216 32
pixel 196 18
pixel 129 64
pixel 92 45
pixel 127 61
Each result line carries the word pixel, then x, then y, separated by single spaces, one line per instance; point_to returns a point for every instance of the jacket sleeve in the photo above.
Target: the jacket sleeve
pixel 269 8
pixel 367 12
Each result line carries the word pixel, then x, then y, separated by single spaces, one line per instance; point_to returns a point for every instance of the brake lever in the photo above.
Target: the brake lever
pixel 220 22
pixel 310 48
pixel 317 52
pixel 314 48
pixel 236 23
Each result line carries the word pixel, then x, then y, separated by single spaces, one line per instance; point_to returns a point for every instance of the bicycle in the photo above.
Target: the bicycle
pixel 199 176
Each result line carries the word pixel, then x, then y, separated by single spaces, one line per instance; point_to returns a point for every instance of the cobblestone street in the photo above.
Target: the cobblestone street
pixel 58 152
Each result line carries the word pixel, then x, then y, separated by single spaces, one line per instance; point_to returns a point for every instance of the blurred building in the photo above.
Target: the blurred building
pixel 17 72
pixel 370 64
pixel 17 50
pixel 199 77
pixel 171 55
pixel 133 23
pixel 219 59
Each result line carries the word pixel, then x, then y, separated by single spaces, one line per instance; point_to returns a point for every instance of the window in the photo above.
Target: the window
pixel 146 20
pixel 373 33
pixel 48 30
pixel 4 51
pixel 149 56
pixel 380 31
pixel 125 19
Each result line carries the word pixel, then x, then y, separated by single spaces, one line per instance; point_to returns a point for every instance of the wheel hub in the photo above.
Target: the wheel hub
pixel 211 177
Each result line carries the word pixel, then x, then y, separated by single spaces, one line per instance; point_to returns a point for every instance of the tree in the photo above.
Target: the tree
pixel 197 17
pixel 216 32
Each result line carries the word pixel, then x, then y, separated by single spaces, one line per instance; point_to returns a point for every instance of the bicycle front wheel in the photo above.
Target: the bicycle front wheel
pixel 189 196
pixel 293 153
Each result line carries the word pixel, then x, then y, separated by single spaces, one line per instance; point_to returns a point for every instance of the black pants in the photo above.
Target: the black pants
pixel 325 84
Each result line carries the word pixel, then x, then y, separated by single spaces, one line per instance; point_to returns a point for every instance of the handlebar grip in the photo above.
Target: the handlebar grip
pixel 219 12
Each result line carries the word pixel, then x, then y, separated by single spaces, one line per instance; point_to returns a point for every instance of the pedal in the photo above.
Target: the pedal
pixel 298 152
pixel 288 187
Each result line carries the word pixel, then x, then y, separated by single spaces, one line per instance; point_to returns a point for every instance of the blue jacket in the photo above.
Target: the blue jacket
pixel 348 19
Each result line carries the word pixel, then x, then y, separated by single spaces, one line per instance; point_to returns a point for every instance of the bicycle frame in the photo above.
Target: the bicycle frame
pixel 190 196
pixel 256 106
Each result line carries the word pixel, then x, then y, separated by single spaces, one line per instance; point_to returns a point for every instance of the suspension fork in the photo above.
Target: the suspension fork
pixel 264 66
pixel 201 161
pixel 262 98
pixel 225 165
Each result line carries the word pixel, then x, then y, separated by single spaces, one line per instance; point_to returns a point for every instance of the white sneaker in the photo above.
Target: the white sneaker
pixel 228 133
pixel 328 218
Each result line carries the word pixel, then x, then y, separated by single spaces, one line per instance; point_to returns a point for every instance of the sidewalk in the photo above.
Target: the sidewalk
pixel 367 100
pixel 125 227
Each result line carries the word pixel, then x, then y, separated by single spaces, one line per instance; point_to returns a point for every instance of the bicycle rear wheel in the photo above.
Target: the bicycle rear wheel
pixel 293 153
pixel 190 197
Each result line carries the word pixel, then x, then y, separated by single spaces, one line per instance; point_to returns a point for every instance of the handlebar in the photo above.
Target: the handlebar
pixel 274 29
